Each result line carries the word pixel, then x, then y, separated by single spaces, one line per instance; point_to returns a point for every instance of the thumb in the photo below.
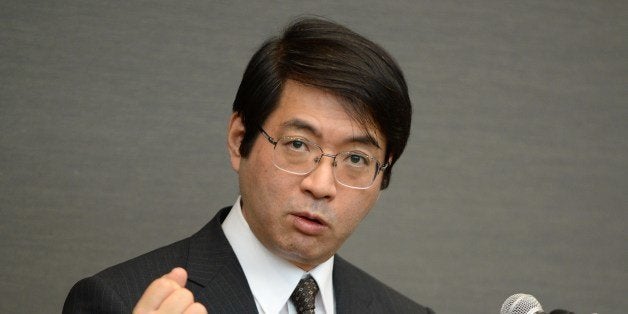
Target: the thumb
pixel 179 275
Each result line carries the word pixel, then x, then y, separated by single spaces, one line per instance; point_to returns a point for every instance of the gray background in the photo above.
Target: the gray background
pixel 113 117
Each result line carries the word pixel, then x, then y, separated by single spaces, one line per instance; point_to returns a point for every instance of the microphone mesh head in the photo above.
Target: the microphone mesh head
pixel 521 303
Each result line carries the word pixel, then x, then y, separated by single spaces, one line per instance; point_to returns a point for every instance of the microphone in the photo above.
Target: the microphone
pixel 521 303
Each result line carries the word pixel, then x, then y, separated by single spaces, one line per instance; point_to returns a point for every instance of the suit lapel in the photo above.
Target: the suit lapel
pixel 350 297
pixel 220 283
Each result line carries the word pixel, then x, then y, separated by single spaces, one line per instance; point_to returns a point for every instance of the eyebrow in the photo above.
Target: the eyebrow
pixel 299 124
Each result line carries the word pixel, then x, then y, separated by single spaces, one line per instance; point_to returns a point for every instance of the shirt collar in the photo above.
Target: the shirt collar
pixel 271 278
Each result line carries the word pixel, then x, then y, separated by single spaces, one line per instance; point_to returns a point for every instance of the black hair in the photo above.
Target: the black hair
pixel 329 56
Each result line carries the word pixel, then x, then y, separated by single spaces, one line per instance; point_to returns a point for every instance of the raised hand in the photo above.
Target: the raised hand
pixel 169 295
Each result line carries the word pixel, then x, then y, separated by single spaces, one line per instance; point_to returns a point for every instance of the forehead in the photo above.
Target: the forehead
pixel 320 113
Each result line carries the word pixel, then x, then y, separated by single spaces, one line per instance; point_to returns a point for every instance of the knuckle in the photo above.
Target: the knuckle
pixel 196 308
pixel 159 284
pixel 185 295
pixel 164 283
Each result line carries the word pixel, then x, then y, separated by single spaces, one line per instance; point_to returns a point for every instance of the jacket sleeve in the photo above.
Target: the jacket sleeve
pixel 94 295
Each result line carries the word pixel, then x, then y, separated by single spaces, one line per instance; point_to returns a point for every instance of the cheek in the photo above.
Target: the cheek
pixel 356 212
pixel 267 188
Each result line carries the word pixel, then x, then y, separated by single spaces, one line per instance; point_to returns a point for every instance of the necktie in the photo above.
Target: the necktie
pixel 304 295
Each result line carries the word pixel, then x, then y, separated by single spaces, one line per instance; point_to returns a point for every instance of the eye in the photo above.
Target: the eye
pixel 297 145
pixel 357 160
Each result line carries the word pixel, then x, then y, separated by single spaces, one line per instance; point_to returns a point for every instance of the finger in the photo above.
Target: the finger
pixel 156 293
pixel 177 301
pixel 196 308
pixel 179 275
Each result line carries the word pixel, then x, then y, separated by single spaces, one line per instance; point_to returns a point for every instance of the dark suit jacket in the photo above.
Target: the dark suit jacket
pixel 218 282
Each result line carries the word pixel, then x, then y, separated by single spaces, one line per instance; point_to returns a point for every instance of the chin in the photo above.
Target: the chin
pixel 312 258
pixel 300 256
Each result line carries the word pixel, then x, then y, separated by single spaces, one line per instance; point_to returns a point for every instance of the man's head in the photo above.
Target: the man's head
pixel 314 93
pixel 333 58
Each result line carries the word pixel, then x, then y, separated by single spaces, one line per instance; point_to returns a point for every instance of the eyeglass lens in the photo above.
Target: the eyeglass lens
pixel 299 156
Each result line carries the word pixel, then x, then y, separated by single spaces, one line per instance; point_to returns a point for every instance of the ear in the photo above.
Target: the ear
pixel 235 134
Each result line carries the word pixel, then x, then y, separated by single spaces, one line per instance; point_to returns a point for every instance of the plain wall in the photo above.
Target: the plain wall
pixel 112 143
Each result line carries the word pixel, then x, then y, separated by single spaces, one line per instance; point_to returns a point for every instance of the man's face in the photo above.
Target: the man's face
pixel 303 218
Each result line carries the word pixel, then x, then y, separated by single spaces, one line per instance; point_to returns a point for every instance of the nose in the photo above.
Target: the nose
pixel 321 183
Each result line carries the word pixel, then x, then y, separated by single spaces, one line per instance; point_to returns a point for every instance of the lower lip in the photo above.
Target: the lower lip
pixel 307 226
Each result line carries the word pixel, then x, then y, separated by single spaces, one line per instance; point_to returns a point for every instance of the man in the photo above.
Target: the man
pixel 320 118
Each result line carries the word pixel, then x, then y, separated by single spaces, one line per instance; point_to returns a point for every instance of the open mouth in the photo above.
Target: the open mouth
pixel 309 224
pixel 310 218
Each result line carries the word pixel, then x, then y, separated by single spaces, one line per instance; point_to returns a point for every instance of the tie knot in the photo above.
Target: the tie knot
pixel 304 295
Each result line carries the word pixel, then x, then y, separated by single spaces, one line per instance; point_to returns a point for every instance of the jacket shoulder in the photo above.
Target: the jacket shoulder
pixel 351 284
pixel 148 266
pixel 118 288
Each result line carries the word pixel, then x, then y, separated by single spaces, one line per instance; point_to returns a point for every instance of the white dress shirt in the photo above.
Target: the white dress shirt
pixel 271 278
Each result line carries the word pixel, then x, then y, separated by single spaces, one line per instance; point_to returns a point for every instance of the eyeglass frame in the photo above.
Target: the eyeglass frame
pixel 274 142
